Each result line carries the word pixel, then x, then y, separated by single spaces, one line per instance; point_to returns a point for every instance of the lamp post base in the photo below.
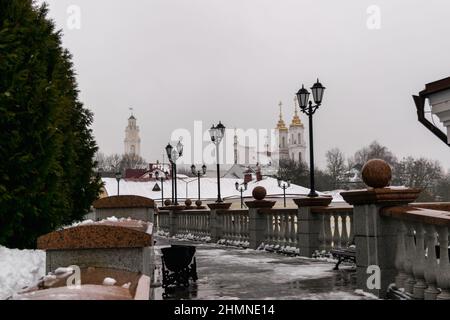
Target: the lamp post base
pixel 222 205
pixel 307 201
pixel 313 194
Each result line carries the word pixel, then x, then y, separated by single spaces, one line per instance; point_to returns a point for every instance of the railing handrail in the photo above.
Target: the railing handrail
pixel 280 210
pixel 334 208
pixel 232 211
pixel 418 214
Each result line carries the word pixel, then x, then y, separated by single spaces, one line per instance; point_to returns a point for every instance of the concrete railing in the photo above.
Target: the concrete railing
pixel 194 223
pixel 335 226
pixel 303 231
pixel 163 221
pixel 234 226
pixel 281 227
pixel 422 254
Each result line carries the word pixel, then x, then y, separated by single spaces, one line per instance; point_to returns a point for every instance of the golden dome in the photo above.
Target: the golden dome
pixel 281 125
pixel 296 122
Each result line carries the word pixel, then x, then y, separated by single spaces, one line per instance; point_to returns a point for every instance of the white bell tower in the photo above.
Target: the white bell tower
pixel 132 140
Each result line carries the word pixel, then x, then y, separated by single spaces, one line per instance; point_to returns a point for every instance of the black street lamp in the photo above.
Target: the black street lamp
pixel 284 185
pixel 309 109
pixel 174 154
pixel 198 173
pixel 161 179
pixel 241 189
pixel 217 133
pixel 118 177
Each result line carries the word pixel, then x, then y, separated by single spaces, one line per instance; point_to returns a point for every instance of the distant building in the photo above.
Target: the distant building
pixel 132 140
pixel 291 141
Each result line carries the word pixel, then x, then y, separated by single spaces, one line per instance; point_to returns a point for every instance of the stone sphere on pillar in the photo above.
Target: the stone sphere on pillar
pixel 167 202
pixel 259 193
pixel 198 203
pixel 376 173
pixel 188 202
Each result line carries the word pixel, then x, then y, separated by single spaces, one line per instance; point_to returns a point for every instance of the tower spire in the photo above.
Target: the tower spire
pixel 296 119
pixel 281 125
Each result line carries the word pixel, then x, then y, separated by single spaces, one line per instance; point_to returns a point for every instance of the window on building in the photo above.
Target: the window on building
pixel 283 142
pixel 133 149
pixel 299 138
pixel 299 157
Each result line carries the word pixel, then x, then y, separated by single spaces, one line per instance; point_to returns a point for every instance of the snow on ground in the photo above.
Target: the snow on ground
pixel 19 268
pixel 187 188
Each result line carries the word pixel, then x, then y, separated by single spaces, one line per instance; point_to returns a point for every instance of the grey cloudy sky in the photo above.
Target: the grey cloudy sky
pixel 176 61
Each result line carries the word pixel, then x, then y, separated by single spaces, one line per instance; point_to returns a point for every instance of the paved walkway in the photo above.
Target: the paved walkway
pixel 232 273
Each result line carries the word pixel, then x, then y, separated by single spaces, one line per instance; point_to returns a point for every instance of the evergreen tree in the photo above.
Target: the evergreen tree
pixel 47 148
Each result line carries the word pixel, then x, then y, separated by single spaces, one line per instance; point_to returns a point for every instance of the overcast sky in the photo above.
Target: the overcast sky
pixel 177 61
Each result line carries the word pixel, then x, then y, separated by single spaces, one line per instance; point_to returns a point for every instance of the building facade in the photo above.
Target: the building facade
pixel 132 142
pixel 291 140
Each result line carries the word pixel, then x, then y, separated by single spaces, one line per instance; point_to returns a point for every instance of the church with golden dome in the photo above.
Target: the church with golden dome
pixel 291 140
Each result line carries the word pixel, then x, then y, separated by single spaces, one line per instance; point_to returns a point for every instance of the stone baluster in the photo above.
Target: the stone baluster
pixel 328 235
pixel 351 233
pixel 430 271
pixel 419 263
pixel 283 231
pixel 409 261
pixel 321 236
pixel 400 256
pixel 336 236
pixel 443 278
pixel 293 235
pixel 344 230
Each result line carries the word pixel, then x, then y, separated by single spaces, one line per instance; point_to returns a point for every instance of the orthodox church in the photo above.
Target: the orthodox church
pixel 289 140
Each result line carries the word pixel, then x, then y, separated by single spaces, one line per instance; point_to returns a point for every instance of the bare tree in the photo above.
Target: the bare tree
pixel 373 151
pixel 336 168
pixel 417 173
pixel 132 161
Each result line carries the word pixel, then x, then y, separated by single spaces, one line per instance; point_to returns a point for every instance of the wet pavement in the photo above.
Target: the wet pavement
pixel 233 273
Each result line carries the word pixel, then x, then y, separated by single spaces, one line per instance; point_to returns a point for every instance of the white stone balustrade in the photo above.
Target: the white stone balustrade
pixel 281 228
pixel 422 256
pixel 335 227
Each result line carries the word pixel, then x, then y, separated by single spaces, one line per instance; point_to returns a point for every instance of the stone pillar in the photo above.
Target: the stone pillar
pixel 257 220
pixel 173 223
pixel 308 224
pixel 375 235
pixel 215 221
pixel 126 206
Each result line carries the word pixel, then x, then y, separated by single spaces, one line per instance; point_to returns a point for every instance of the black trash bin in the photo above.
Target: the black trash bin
pixel 178 265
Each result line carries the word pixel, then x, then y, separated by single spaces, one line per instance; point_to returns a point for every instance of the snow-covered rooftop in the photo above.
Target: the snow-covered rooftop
pixel 187 188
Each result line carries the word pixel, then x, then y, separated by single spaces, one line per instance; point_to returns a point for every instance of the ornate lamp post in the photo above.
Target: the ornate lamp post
pixel 241 189
pixel 217 133
pixel 198 173
pixel 284 185
pixel 174 154
pixel 161 179
pixel 118 178
pixel 309 109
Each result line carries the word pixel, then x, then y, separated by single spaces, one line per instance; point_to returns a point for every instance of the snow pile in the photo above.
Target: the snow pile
pixel 234 243
pixel 192 237
pixel 63 271
pixel 162 233
pixel 19 269
pixel 288 250
pixel 109 282
pixel 361 292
